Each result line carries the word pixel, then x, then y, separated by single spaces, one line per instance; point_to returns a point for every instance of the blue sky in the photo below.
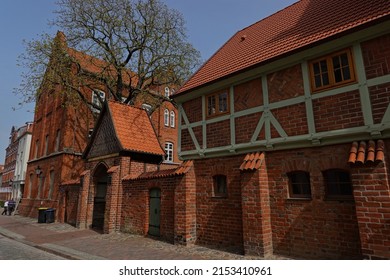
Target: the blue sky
pixel 210 23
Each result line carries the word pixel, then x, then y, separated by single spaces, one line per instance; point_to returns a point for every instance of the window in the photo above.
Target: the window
pixel 219 186
pixel 166 117
pixel 51 184
pixel 46 144
pixel 31 177
pixel 217 104
pixel 58 137
pixel 299 184
pixel 332 70
pixel 169 151
pixel 172 118
pixel 147 108
pixel 338 184
pixel 166 92
pixel 96 96
pixel 40 186
pixel 36 149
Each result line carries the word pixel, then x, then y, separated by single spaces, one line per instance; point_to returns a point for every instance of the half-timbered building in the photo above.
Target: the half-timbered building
pixel 288 125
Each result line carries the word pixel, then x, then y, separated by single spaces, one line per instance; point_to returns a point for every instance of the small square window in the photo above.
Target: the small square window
pixel 220 186
pixel 217 104
pixel 338 184
pixel 299 184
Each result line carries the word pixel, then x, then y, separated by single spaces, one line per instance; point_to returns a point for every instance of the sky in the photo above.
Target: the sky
pixel 209 24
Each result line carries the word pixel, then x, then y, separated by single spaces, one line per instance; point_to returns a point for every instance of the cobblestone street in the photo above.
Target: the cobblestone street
pixel 69 242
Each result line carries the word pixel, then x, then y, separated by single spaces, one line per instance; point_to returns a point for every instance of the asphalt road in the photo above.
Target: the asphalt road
pixel 13 250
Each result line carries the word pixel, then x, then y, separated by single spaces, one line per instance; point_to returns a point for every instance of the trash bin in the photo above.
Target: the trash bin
pixel 50 215
pixel 42 215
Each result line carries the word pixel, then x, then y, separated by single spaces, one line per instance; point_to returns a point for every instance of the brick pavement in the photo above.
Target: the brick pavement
pixel 72 243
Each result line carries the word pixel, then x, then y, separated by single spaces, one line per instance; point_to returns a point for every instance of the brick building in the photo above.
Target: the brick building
pixel 15 164
pixel 63 126
pixel 287 126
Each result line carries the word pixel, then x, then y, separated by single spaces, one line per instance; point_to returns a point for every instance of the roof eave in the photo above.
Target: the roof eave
pixel 286 54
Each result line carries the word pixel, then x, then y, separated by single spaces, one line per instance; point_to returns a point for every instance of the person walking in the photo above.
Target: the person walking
pixel 5 208
pixel 11 206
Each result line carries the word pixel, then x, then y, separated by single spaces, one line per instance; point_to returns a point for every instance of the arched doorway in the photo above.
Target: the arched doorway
pixel 154 212
pixel 99 201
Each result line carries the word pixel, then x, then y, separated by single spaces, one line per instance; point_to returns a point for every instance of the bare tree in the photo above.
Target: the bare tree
pixel 131 46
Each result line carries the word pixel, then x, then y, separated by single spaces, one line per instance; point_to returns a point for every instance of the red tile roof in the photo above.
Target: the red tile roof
pixel 181 170
pixel 366 152
pixel 300 25
pixel 252 161
pixel 134 129
pixel 100 67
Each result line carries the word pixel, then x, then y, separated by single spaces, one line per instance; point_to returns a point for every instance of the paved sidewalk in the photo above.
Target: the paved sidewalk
pixel 72 243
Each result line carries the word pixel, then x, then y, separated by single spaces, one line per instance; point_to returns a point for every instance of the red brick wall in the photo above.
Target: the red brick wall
pixel 135 209
pixel 376 54
pixel 218 134
pixel 315 228
pixel 186 141
pixel 193 110
pixel 248 95
pixel 372 195
pixel 380 100
pixel 285 84
pixel 219 220
pixel 166 133
pixel 338 111
pixel 245 126
pixel 292 119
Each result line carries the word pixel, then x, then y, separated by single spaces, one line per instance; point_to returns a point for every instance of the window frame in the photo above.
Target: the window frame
pixel 217 104
pixel 166 117
pixel 167 92
pixel 46 151
pixel 58 139
pixel 217 192
pixel 172 118
pixel 339 184
pixel 169 152
pixel 301 185
pixel 330 70
pixel 96 101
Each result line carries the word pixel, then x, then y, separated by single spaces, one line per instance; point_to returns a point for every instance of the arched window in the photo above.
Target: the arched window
pixel 57 147
pixel 46 144
pixel 338 184
pixel 51 184
pixel 36 152
pixel 166 117
pixel 299 184
pixel 172 119
pixel 167 92
pixel 219 186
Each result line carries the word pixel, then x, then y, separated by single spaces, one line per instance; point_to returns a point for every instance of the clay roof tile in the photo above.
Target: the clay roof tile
pixel 294 28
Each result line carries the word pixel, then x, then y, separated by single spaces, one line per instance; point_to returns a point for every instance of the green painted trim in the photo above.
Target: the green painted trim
pixel 180 127
pixel 259 126
pixel 204 123
pixel 378 81
pixel 308 98
pixel 232 117
pixel 363 88
pixel 341 136
pixel 277 125
pixel 192 134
